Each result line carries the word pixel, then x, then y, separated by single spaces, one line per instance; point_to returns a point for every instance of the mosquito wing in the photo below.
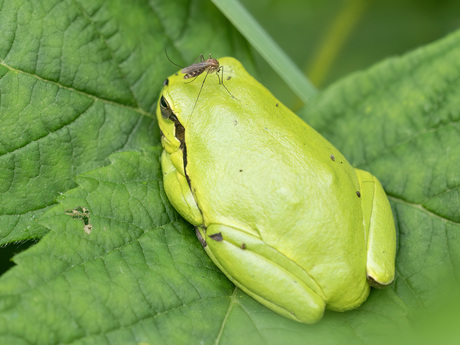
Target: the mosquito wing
pixel 195 67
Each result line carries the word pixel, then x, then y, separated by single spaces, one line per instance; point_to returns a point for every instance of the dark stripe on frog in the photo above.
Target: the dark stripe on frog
pixel 179 133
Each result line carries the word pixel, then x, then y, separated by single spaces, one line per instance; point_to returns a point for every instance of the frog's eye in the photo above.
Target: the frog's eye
pixel 166 111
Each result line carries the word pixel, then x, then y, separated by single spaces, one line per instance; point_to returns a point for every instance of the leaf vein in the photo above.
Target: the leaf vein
pixel 422 208
pixel 103 39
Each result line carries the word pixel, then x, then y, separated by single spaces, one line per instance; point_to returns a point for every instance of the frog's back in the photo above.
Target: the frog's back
pixel 269 174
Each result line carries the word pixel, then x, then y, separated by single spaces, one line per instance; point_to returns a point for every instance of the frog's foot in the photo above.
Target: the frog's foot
pixel 177 188
pixel 263 273
pixel 380 229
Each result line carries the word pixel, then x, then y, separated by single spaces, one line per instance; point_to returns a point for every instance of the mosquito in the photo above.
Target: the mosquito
pixel 210 65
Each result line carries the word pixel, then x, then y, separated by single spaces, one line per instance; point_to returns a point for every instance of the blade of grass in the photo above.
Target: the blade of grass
pixel 267 47
pixel 339 31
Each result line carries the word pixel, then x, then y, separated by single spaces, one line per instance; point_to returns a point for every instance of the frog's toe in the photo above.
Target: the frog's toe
pixel 381 234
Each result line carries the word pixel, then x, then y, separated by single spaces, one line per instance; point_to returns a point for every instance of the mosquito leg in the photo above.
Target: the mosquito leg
pixel 221 81
pixel 201 58
pixel 201 88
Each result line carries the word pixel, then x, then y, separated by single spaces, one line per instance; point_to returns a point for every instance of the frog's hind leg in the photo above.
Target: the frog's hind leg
pixel 263 273
pixel 380 229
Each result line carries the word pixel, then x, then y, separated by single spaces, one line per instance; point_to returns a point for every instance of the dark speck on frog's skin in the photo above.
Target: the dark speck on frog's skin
pixel 166 82
pixel 277 104
pixel 358 194
pixel 332 157
pixel 217 237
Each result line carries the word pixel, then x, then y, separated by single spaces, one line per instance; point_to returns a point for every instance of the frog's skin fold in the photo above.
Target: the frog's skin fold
pixel 276 206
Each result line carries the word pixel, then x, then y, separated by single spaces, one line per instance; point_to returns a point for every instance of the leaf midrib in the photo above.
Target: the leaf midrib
pixel 80 92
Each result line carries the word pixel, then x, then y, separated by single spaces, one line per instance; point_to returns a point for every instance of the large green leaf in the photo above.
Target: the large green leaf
pixel 79 82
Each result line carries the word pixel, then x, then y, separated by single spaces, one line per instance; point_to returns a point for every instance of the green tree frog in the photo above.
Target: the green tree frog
pixel 276 206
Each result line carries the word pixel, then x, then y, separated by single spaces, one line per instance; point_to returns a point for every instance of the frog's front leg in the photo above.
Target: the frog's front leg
pixel 177 188
pixel 263 273
pixel 380 230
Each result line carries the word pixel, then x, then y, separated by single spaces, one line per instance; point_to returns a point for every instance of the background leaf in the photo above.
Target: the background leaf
pixel 329 39
pixel 78 86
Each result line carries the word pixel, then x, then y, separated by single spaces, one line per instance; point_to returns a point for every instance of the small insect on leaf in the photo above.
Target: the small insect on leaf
pixel 83 214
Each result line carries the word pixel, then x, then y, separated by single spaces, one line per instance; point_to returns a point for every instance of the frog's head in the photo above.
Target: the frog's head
pixel 180 98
